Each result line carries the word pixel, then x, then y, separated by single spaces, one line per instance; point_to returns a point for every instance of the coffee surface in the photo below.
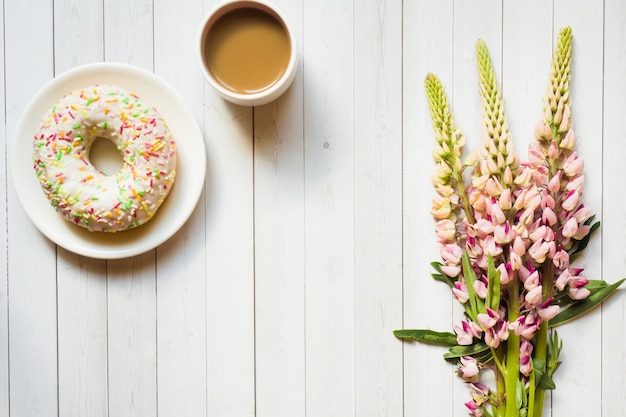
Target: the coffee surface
pixel 247 50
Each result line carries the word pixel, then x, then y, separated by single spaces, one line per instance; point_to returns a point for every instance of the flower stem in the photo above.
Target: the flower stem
pixel 512 352
pixel 540 353
pixel 541 342
pixel 500 389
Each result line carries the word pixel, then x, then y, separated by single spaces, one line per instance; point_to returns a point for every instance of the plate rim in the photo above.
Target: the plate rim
pixel 143 244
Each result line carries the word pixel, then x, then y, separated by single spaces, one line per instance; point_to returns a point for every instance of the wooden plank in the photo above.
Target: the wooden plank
pixel 279 245
pixel 472 21
pixel 427 303
pixel 229 252
pixel 82 336
pixel 131 291
pixel 614 209
pixel 527 44
pixel 581 356
pixel 378 206
pixel 32 306
pixel 81 288
pixel 4 274
pixel 132 348
pixel 329 207
pixel 181 269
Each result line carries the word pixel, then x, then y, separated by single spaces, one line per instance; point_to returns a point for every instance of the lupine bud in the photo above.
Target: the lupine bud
pixel 573 165
pixel 547 310
pixel 488 319
pixel 483 228
pixel 540 175
pixel 535 155
pixel 493 187
pixel 566 123
pixel 531 281
pixel 505 201
pixel 582 214
pixel 446 230
pixel 583 230
pixel 548 217
pixel 533 297
pixel 570 227
pixel 505 276
pixel 523 179
pixel 497 214
pixel 460 292
pixel 441 208
pixel 569 141
pixel 480 288
pixel 571 201
pixel 555 183
pixel 561 259
pixel 469 368
pixel 451 271
pixel 576 184
pixel 451 253
pixel 471 159
pixel 553 151
pixel 563 279
pixel 503 234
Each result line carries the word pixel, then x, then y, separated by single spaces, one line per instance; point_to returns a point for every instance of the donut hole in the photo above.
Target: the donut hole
pixel 104 155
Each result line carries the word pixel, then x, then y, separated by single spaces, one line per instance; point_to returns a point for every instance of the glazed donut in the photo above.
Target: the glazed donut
pixel 80 192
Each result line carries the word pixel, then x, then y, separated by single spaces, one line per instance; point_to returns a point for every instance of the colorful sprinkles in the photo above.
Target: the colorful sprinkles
pixel 75 188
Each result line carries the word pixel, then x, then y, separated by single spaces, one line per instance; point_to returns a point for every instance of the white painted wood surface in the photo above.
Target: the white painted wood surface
pixel 313 238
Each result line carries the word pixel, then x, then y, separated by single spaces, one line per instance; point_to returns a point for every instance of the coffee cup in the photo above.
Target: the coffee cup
pixel 247 51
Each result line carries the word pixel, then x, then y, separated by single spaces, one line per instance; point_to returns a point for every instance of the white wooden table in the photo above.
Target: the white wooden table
pixel 313 238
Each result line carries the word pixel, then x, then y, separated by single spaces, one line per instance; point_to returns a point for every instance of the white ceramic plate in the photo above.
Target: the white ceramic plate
pixel 179 204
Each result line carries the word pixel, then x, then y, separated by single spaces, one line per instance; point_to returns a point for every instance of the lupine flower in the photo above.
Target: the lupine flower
pixel 508 239
pixel 468 369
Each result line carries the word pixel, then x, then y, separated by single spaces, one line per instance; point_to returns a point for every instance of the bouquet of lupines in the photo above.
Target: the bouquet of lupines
pixel 509 238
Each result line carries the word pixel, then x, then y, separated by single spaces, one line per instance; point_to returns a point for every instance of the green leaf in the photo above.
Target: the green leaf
pixel 457 351
pixel 546 383
pixel 432 337
pixel 493 285
pixel 470 278
pixel 581 307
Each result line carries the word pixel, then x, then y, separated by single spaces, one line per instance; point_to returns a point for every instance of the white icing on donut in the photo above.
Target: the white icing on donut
pixel 75 188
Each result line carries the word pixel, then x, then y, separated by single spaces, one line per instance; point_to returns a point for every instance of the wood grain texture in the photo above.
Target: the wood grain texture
pixel 181 269
pixel 4 251
pixel 279 229
pixel 426 302
pixel 81 281
pixel 377 202
pixel 472 21
pixel 131 289
pixel 229 253
pixel 582 361
pixel 329 207
pixel 313 239
pixel 614 208
pixel 32 329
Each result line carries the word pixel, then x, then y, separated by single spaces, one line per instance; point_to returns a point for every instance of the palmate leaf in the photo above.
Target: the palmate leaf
pixel 430 337
pixel 579 308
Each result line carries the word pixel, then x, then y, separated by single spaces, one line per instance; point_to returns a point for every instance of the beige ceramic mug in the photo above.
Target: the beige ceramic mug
pixel 247 51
